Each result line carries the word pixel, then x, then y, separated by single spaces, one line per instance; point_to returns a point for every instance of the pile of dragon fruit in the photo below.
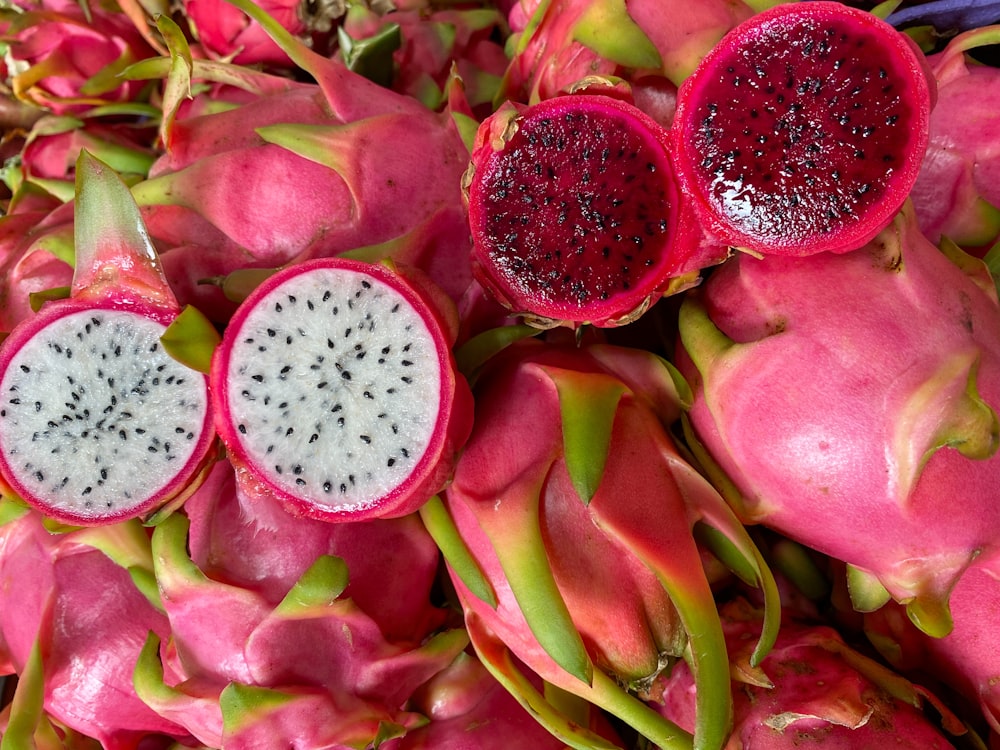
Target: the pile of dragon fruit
pixel 479 375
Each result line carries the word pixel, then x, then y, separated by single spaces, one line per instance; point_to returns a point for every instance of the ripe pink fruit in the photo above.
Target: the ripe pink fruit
pixel 98 422
pixel 803 130
pixel 850 399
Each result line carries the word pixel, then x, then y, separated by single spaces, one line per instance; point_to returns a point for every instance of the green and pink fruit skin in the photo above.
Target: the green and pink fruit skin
pixel 90 620
pixel 294 175
pixel 847 400
pixel 965 659
pixel 653 46
pixel 957 193
pixel 811 690
pixel 587 592
pixel 733 204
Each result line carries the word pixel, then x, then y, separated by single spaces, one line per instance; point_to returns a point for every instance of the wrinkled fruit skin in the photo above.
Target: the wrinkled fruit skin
pixel 856 391
pixel 819 697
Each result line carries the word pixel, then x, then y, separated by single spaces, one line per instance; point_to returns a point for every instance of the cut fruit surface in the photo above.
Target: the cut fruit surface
pixel 803 130
pixel 336 386
pixel 571 207
pixel 97 421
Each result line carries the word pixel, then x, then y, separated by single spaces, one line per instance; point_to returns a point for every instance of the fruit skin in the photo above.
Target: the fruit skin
pixel 454 421
pixel 957 193
pixel 592 585
pixel 667 262
pixel 847 400
pixel 811 690
pixel 728 205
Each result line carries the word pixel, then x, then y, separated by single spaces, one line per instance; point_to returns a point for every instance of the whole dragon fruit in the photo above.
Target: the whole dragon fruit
pixel 812 689
pixel 568 532
pixel 846 400
pixel 957 192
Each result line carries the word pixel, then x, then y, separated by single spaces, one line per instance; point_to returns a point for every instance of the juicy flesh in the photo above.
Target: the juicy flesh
pixel 801 131
pixel 576 208
pixel 96 417
pixel 334 388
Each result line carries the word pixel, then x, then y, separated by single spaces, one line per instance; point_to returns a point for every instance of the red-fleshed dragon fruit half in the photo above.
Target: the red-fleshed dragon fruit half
pixel 575 214
pixel 568 533
pixel 811 690
pixel 336 390
pixel 850 399
pixel 803 130
pixel 98 421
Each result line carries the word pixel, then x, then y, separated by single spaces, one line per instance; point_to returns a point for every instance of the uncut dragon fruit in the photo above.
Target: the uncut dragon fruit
pixel 965 659
pixel 803 130
pixel 73 622
pixel 309 149
pixel 337 393
pixel 957 193
pixel 66 59
pixel 654 46
pixel 846 400
pixel 812 689
pixel 568 534
pixel 307 652
pixel 575 214
pixel 99 422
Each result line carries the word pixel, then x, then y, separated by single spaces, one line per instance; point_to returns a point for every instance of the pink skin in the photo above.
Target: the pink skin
pixel 962 165
pixel 225 32
pixel 92 621
pixel 830 384
pixel 453 425
pixel 65 48
pixel 256 544
pixel 965 659
pixel 819 698
pixel 549 61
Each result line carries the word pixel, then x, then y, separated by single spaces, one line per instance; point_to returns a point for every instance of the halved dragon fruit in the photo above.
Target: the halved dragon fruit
pixel 337 390
pixel 98 422
pixel 804 129
pixel 574 212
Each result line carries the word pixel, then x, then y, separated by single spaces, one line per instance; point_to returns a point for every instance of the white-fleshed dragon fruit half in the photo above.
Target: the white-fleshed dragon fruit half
pixel 851 400
pixel 337 391
pixel 98 422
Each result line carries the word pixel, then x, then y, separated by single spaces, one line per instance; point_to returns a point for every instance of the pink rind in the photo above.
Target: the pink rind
pixel 880 214
pixel 435 466
pixel 182 481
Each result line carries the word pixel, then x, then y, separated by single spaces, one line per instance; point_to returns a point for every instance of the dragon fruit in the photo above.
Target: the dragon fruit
pixel 851 426
pixel 308 148
pixel 337 392
pixel 652 45
pixel 313 645
pixel 594 172
pixel 568 533
pixel 956 193
pixel 66 59
pixel 803 130
pixel 74 598
pixel 964 660
pixel 99 423
pixel 812 689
